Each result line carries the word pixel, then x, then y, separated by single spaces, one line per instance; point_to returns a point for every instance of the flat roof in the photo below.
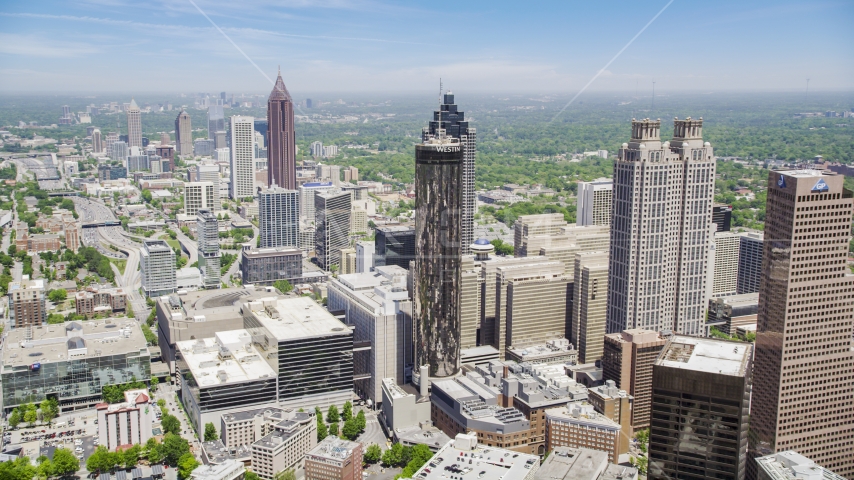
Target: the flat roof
pixel 706 355
pixel 85 339
pixel 294 318
pixel 333 448
pixel 229 357
pixel 272 251
pixel 487 462
pixel 791 465
pixel 805 173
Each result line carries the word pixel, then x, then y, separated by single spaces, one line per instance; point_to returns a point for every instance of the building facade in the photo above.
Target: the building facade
pixel 278 218
pixel 157 268
pixel 527 226
pixel 725 251
pixel 134 125
pixel 207 232
pixel 242 157
pixel 105 301
pixel 804 324
pixel 127 423
pixel 332 227
pixel 594 202
pixel 198 196
pixel 395 245
pixel 750 254
pixel 589 305
pixel 281 143
pixel 263 266
pixel 334 459
pixel 579 425
pixel 27 303
pixel 307 191
pixel 660 239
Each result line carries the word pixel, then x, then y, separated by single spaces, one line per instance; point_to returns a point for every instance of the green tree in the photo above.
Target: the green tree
pixel 322 430
pixel 333 429
pixel 347 412
pixel 45 468
pixel 64 462
pixel 393 456
pixel 55 318
pixel 19 469
pixel 174 447
pixel 283 286
pixel 250 475
pixel 50 409
pixel 30 416
pixel 288 474
pixel 642 437
pixel 332 415
pixel 154 382
pixel 361 421
pixel 146 195
pixel 15 418
pixel 101 460
pixel 351 429
pixel 171 424
pixel 186 464
pixel 373 453
pixel 153 451
pixel 210 432
pixel 130 457
pixel 58 295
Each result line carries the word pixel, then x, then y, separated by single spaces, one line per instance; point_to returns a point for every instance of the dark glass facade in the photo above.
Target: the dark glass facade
pixel 722 217
pixel 438 174
pixel 262 268
pixel 394 246
pixel 315 365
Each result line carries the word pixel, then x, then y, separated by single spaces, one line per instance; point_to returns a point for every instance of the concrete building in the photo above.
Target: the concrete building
pixel 395 245
pixel 402 406
pixel 615 404
pixel 348 261
pixel 285 446
pixel 589 305
pixel 198 196
pixel 27 303
pixel 627 359
pixel 278 218
pixel 43 243
pixel 97 141
pixel 578 425
pixel 594 202
pixel 691 376
pixel 93 301
pixel 134 125
pixel 491 461
pixel 227 470
pixel 358 221
pixel 530 225
pixel 365 256
pixel 558 351
pixel 805 322
pixel 263 266
pixel 791 465
pixel 157 268
pixel 334 459
pixel 727 314
pixel 207 233
pixel 332 227
pixel 724 263
pixel 662 218
pixel 242 157
pixel 127 423
pixel 378 306
pixel 566 463
pixel 750 254
pixel 35 362
pixel 188 279
pixel 307 191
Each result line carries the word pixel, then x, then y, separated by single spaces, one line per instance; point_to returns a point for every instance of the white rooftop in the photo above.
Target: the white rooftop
pixel 803 173
pixel 705 355
pixel 464 457
pixel 229 357
pixel 293 318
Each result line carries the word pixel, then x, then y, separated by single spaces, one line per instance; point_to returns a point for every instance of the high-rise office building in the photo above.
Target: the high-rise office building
pixel 395 245
pixel 199 195
pixel 307 191
pixel 627 359
pixel 207 231
pixel 242 157
pixel 527 226
pixel 281 143
pixel 701 400
pixel 438 233
pixel 590 295
pixel 110 139
pixel 134 125
pixel 316 148
pixel 722 217
pixel 594 202
pixel 165 139
pixel 97 141
pixel 183 134
pixel 332 226
pixel 216 121
pixel 210 173
pixel 661 235
pixel 449 118
pixel 119 151
pixel 278 217
pixel 724 263
pixel 750 250
pixel 157 268
pixel 804 358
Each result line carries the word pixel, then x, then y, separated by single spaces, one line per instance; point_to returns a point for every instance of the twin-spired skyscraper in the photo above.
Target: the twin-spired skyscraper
pixel 660 229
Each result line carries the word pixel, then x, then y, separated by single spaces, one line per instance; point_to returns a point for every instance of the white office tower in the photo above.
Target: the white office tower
pixel 134 125
pixel 109 140
pixel 307 191
pixel 97 142
pixel 157 268
pixel 206 172
pixel 278 217
pixel 316 149
pixel 207 231
pixel 199 195
pixel 242 157
pixel 594 202
pixel 365 256
pixel 724 264
pixel 661 229
pixel 119 151
pixel 222 155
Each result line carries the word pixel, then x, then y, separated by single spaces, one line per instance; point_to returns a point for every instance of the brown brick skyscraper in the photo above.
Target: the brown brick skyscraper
pixel 281 148
pixel 804 365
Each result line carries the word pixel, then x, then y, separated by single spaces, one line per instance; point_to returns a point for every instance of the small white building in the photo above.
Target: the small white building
pixel 128 423
pixel 188 278
pixel 227 470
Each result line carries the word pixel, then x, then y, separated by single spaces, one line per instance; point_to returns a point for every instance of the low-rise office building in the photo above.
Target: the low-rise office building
pixel 127 423
pixel 334 459
pixel 285 446
pixel 227 470
pixel 553 351
pixel 264 266
pixel 36 362
pixel 615 404
pixel 791 465
pixel 566 463
pixel 729 313
pixel 465 456
pixel 402 406
pixel 578 425
pixel 100 301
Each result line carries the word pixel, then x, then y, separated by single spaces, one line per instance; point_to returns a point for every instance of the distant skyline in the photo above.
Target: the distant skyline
pixel 372 46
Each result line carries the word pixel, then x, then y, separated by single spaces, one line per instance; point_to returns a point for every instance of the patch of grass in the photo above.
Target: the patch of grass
pixel 120 264
pixel 173 243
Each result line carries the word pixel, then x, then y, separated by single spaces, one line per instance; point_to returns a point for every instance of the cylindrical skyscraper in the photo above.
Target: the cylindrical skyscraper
pixel 438 205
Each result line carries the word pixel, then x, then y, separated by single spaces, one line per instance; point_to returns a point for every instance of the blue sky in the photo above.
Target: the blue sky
pixel 369 46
